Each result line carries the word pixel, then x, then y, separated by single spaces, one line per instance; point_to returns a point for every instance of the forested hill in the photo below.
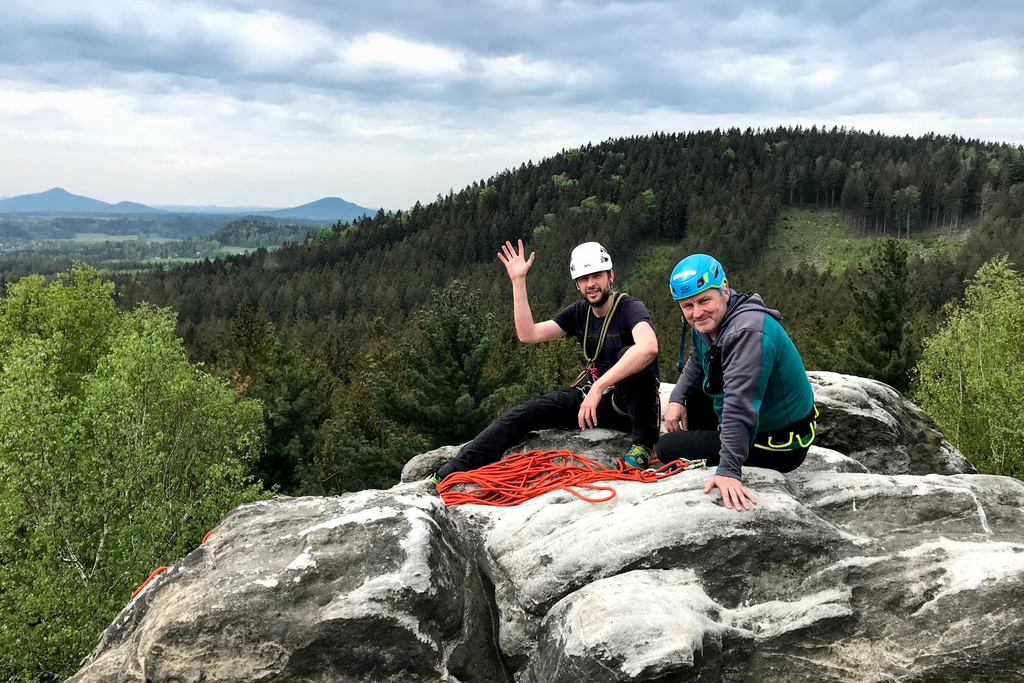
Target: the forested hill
pixel 649 200
pixel 251 232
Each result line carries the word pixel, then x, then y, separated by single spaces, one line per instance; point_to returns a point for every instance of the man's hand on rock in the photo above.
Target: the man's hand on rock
pixel 588 409
pixel 675 417
pixel 734 494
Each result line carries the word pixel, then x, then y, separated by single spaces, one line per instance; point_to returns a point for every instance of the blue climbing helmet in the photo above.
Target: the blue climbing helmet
pixel 694 274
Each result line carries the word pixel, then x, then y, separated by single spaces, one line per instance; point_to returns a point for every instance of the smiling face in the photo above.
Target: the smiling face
pixel 596 288
pixel 705 311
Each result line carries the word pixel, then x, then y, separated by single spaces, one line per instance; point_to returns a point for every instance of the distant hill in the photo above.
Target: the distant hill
pixel 59 200
pixel 211 209
pixel 133 207
pixel 664 195
pixel 328 208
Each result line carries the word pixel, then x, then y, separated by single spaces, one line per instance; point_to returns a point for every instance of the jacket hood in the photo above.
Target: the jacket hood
pixel 742 303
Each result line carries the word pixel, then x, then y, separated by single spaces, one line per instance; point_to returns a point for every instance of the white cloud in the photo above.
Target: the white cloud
pixel 521 71
pixel 267 40
pixel 379 50
pixel 390 102
pixel 823 76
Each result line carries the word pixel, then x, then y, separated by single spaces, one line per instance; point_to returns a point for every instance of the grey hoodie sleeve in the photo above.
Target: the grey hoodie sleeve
pixel 690 377
pixel 742 361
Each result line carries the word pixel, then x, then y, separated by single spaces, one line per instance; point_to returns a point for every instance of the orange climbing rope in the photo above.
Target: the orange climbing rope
pixel 161 569
pixel 523 476
pixel 147 581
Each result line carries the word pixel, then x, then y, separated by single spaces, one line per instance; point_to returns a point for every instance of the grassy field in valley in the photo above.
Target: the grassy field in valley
pixel 822 238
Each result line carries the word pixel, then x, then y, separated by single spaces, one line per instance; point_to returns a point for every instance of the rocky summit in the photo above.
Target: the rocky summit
pixel 883 558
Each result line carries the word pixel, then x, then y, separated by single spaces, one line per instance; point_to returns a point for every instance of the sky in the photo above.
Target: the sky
pixel 385 103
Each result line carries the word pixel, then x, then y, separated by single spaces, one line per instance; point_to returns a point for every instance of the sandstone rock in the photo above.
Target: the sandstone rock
pixel 340 589
pixel 860 418
pixel 843 571
pixel 871 422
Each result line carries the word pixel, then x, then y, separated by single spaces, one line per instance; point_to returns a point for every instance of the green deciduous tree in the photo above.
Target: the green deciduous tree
pixel 116 455
pixel 971 373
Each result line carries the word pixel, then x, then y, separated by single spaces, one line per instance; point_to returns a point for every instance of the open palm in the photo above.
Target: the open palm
pixel 515 264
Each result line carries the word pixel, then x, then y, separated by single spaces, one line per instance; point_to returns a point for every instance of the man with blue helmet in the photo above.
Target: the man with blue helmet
pixel 619 387
pixel 747 365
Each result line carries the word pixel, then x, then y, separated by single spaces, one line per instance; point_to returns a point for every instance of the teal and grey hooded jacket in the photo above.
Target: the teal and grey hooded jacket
pixel 754 375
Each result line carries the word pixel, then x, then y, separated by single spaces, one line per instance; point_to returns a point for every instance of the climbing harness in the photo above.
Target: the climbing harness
pixel 801 431
pixel 523 476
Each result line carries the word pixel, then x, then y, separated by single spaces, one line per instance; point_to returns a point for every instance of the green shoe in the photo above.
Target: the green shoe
pixel 434 479
pixel 637 456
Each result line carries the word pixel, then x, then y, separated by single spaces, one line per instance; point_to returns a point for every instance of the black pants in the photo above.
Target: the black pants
pixel 702 441
pixel 636 409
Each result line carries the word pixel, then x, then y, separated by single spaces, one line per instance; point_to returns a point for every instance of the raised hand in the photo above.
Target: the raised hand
pixel 515 264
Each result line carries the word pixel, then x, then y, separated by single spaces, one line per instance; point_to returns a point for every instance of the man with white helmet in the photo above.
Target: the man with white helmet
pixel 619 387
pixel 747 366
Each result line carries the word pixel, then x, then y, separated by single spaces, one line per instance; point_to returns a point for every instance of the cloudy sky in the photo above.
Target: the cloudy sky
pixel 384 103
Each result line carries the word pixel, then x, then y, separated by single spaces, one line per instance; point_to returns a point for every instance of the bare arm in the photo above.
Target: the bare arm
pixel 636 358
pixel 517 266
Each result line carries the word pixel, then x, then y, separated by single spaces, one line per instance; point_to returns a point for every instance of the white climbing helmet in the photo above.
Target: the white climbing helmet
pixel 587 258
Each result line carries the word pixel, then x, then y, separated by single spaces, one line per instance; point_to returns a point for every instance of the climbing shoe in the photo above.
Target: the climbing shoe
pixel 637 456
pixel 434 479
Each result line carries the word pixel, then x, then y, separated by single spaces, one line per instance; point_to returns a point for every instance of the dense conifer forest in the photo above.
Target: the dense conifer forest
pixel 341 335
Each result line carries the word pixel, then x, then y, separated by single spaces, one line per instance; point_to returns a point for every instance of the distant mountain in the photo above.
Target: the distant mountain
pixel 326 209
pixel 211 209
pixel 59 200
pixel 133 207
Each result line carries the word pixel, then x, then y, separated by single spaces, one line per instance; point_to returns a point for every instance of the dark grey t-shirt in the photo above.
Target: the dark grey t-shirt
pixel 630 312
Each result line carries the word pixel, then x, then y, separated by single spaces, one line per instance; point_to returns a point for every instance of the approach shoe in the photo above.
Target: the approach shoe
pixel 434 479
pixel 637 456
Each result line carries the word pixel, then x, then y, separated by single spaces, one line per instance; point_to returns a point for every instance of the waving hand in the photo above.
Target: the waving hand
pixel 515 264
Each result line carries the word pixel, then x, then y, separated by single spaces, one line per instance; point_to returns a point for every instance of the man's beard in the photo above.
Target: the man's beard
pixel 605 295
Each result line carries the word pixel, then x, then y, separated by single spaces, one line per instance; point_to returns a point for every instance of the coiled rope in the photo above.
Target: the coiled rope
pixel 523 476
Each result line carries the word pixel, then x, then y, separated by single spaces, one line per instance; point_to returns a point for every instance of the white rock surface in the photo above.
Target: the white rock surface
pixel 858 566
